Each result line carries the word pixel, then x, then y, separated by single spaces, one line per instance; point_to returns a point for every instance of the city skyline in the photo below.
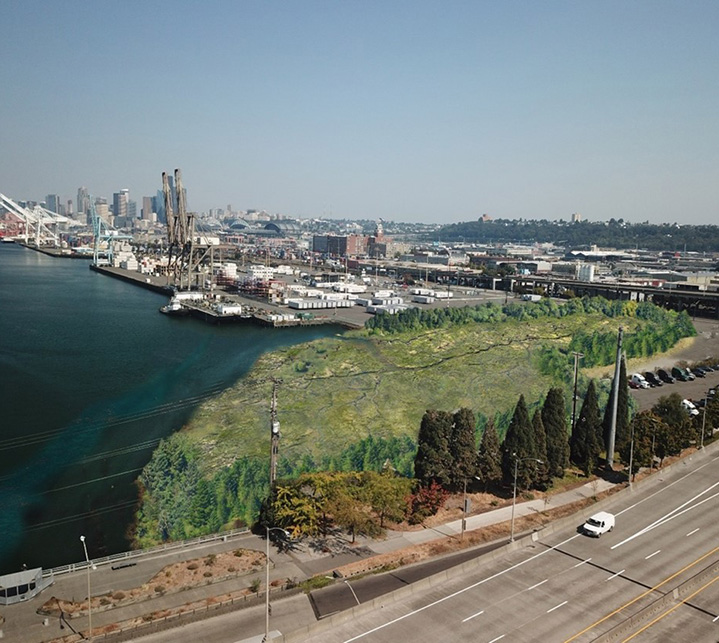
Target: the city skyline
pixel 418 111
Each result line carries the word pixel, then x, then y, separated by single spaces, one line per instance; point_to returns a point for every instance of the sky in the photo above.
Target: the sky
pixel 432 112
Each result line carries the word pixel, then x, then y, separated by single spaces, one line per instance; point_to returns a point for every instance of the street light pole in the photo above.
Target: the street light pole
pixel 267 579
pixel 89 594
pixel 464 507
pixel 514 492
pixel 704 420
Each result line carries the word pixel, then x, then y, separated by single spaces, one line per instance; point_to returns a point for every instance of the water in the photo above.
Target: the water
pixel 91 377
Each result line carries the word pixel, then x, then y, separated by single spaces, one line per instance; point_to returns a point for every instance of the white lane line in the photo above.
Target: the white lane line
pixel 693 532
pixel 619 573
pixel 650 555
pixel 674 513
pixel 715 619
pixel 538 584
pixel 461 591
pixel 582 563
pixel 556 607
pixel 469 618
pixel 499 638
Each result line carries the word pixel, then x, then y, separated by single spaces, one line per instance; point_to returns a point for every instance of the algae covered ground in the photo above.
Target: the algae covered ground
pixel 336 391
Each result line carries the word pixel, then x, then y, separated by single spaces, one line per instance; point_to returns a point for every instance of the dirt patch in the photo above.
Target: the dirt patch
pixel 170 579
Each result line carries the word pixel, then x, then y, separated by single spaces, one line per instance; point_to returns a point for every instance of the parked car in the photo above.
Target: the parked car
pixel 652 378
pixel 600 523
pixel 682 374
pixel 638 381
pixel 697 371
pixel 690 408
pixel 665 377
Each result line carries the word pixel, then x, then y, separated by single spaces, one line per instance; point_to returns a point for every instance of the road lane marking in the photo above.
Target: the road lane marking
pixel 461 591
pixel 499 638
pixel 582 563
pixel 674 513
pixel 469 618
pixel 538 584
pixel 693 532
pixel 669 611
pixel 556 607
pixel 715 619
pixel 650 555
pixel 615 575
pixel 642 595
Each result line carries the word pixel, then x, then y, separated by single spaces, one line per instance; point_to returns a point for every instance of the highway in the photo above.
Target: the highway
pixel 569 587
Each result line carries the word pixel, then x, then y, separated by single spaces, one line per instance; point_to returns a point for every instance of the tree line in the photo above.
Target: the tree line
pixel 612 234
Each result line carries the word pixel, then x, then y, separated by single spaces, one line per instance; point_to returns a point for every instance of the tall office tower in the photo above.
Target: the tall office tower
pixel 83 203
pixel 70 208
pixel 147 208
pixel 119 203
pixel 158 204
pixel 52 203
pixel 131 209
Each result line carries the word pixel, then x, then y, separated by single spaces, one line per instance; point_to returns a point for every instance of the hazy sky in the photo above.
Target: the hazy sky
pixel 411 111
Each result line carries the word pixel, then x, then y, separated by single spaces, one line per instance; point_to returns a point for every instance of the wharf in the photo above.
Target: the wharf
pixel 58 253
pixel 156 284
pixel 268 315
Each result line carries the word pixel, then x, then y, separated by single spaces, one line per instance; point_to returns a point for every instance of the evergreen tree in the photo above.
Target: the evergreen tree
pixel 462 448
pixel 584 445
pixel 542 478
pixel 644 425
pixel 682 430
pixel 621 434
pixel 489 458
pixel 554 420
pixel 433 461
pixel 519 444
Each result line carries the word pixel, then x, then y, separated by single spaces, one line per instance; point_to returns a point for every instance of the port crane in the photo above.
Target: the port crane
pixel 37 222
pixel 185 254
pixel 104 235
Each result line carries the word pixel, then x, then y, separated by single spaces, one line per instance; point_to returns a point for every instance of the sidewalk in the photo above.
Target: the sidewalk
pixel 22 623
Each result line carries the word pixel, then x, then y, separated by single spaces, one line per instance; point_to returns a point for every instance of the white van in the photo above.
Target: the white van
pixel 598 524
pixel 638 381
pixel 689 407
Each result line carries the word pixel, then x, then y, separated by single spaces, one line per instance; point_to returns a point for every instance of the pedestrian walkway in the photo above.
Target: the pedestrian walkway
pixel 22 623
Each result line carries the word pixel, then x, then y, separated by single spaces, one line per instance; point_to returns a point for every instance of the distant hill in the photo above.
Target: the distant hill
pixel 614 234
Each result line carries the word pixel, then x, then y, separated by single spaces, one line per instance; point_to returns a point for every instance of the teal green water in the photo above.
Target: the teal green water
pixel 91 377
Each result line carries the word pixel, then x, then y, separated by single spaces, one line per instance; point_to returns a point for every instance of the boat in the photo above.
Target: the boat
pixel 174 308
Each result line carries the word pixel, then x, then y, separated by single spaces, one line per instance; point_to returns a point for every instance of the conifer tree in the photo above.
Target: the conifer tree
pixel 584 445
pixel 554 420
pixel 489 458
pixel 433 461
pixel 621 434
pixel 519 444
pixel 542 478
pixel 463 448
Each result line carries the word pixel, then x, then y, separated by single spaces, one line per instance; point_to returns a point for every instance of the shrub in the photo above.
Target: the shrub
pixel 231 570
pixel 255 586
pixel 118 596
pixel 207 574
pixel 159 589
pixel 192 566
pixel 239 553
pixel 210 560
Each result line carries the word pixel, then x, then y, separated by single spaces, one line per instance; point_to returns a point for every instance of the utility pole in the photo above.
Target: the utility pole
pixel 615 401
pixel 577 357
pixel 274 433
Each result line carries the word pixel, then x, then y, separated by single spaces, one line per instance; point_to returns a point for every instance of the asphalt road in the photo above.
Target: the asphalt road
pixel 569 587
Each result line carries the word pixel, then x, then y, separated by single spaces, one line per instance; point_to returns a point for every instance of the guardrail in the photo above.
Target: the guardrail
pixel 138 553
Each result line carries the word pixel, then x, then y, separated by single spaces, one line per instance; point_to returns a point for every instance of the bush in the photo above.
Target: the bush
pixel 118 596
pixel 255 586
pixel 192 566
pixel 207 574
pixel 159 589
pixel 210 560
pixel 239 553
